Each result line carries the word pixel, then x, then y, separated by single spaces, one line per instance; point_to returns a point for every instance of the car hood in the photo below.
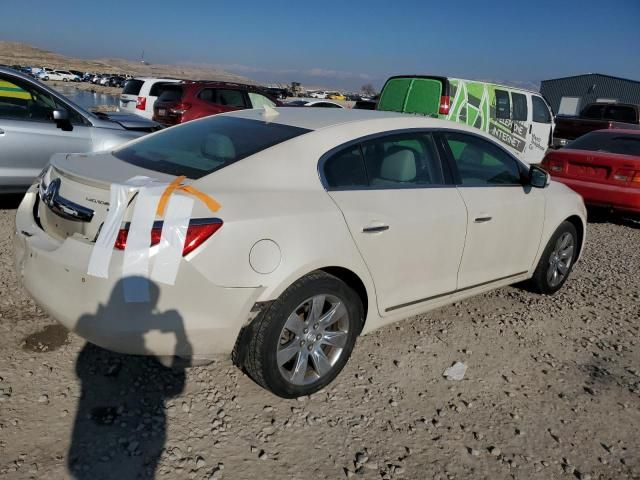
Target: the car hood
pixel 130 121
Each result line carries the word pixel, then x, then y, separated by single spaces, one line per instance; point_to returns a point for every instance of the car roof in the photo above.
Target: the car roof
pixel 317 118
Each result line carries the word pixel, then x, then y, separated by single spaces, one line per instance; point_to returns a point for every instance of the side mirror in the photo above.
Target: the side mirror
pixel 61 117
pixel 538 178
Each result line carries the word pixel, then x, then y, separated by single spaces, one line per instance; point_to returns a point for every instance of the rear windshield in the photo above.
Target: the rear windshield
pixel 608 142
pixel 196 149
pixel 169 93
pixel 132 87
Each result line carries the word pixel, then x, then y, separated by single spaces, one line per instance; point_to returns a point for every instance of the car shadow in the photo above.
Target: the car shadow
pixel 120 423
pixel 600 215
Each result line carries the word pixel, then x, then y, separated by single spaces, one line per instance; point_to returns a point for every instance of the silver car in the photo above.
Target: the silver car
pixel 36 122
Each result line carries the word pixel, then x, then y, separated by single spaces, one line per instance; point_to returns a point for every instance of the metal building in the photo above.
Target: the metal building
pixel 568 95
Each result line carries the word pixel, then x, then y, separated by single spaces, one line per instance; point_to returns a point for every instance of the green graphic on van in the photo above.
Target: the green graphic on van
pixel 474 104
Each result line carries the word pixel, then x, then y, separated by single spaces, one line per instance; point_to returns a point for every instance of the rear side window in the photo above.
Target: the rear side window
pixel 540 111
pixel 503 107
pixel 132 87
pixel 196 149
pixel 608 142
pixel 520 111
pixel 621 113
pixel 170 93
pixel 223 96
pixel 346 169
pixel 402 160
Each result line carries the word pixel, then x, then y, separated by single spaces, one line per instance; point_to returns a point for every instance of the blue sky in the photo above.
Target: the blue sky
pixel 346 44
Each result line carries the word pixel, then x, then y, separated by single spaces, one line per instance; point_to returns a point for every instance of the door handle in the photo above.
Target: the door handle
pixel 378 228
pixel 482 219
pixel 1 131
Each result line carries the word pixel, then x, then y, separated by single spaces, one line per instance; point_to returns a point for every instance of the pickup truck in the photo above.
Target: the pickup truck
pixel 595 116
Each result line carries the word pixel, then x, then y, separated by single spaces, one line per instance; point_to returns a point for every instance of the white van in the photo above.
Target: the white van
pixel 139 94
pixel 519 119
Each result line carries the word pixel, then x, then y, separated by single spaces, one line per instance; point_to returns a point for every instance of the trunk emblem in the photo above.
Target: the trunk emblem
pixel 50 196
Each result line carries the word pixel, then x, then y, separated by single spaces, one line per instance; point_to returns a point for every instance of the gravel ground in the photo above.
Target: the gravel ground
pixel 551 391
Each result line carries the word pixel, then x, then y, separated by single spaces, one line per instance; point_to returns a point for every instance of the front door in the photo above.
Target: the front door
pixel 407 221
pixel 28 134
pixel 505 218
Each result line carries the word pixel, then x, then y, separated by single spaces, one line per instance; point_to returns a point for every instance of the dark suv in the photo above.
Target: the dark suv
pixel 181 102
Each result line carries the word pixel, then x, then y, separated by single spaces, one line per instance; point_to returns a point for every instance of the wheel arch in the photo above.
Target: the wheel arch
pixel 577 222
pixel 354 282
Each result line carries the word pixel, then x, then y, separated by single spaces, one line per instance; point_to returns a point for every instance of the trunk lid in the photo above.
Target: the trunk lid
pixel 75 194
pixel 599 167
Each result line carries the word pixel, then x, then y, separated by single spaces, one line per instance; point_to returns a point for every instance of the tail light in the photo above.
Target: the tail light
pixel 551 164
pixel 180 108
pixel 199 230
pixel 627 175
pixel 141 103
pixel 445 105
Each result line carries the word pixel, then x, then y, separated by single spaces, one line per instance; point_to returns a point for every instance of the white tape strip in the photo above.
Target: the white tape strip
pixel 135 264
pixel 103 249
pixel 174 234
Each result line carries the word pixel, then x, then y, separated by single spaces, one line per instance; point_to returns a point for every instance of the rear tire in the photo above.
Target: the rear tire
pixel 302 340
pixel 556 262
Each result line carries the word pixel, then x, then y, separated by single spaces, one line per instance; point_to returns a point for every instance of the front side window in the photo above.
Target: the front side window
pixel 20 100
pixel 540 111
pixel 480 162
pixel 520 111
pixel 402 160
pixel 503 106
pixel 196 149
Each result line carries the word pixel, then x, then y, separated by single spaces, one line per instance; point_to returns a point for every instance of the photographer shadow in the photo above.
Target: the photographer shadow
pixel 120 424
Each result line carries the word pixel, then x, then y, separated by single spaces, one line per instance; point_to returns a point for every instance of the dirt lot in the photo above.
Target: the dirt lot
pixel 552 390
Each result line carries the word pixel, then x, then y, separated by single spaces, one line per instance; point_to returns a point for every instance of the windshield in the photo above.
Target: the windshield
pixel 608 142
pixel 199 148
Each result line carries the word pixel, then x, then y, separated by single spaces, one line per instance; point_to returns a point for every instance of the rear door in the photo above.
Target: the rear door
pixel 412 95
pixel 504 220
pixel 28 134
pixel 407 220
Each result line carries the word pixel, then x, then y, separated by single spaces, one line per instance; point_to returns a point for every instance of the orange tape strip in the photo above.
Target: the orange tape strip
pixel 172 187
pixel 211 203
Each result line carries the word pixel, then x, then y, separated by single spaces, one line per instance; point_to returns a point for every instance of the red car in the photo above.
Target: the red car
pixel 603 166
pixel 181 102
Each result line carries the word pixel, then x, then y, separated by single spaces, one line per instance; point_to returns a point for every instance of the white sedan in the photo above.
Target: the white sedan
pixel 328 224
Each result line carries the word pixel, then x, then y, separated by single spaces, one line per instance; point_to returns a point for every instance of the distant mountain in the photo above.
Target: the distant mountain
pixel 12 53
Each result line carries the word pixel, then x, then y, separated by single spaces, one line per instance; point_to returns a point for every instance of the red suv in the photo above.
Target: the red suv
pixel 181 102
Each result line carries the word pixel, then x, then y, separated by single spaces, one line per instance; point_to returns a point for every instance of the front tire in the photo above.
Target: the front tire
pixel 302 341
pixel 556 261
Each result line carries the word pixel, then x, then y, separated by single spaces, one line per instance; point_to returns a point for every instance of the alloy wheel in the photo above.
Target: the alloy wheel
pixel 313 339
pixel 560 259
